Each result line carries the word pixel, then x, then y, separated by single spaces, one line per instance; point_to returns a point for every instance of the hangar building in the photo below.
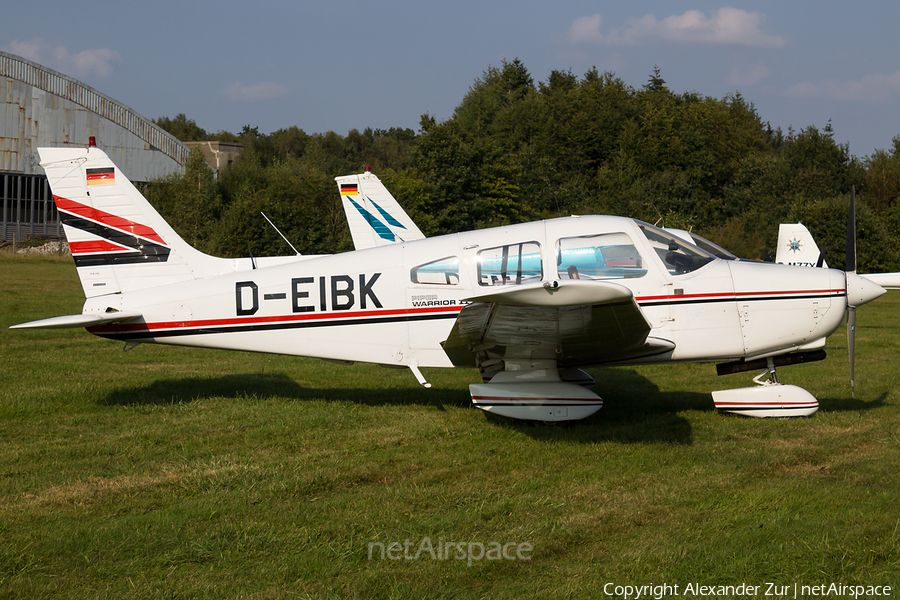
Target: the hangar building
pixel 40 107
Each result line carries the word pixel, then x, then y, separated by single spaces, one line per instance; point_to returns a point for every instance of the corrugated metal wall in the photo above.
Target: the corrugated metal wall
pixel 27 208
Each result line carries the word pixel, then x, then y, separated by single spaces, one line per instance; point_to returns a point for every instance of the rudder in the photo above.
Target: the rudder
pixel 375 218
pixel 797 247
pixel 120 243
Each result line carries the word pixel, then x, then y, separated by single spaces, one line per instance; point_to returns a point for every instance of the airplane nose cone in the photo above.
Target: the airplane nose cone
pixel 860 290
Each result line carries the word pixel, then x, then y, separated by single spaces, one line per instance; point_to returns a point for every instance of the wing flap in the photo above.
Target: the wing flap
pixel 75 321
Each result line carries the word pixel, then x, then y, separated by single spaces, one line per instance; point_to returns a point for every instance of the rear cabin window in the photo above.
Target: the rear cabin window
pixel 510 265
pixel 605 256
pixel 443 271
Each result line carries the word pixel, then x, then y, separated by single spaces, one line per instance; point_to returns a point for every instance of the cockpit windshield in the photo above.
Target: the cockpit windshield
pixel 678 256
pixel 712 247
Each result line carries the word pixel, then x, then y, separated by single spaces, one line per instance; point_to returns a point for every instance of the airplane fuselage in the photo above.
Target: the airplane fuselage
pixel 395 304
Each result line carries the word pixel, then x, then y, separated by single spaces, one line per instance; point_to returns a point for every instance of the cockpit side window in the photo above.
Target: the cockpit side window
pixel 678 257
pixel 513 264
pixel 605 256
pixel 444 271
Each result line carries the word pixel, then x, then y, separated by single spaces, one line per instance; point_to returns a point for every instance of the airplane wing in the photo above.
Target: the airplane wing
pixel 75 321
pixel 889 281
pixel 571 322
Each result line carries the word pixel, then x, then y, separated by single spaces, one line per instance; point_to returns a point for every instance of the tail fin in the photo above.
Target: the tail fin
pixel 374 217
pixel 796 246
pixel 119 242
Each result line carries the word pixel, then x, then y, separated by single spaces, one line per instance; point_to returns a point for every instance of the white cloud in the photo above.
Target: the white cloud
pixel 874 88
pixel 749 75
pixel 30 49
pixel 264 90
pixel 98 61
pixel 726 26
pixel 586 30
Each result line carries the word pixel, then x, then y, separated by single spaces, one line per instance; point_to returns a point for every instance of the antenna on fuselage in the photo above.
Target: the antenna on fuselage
pixel 661 217
pixel 279 233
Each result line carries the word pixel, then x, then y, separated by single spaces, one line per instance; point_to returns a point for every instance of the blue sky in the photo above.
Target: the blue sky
pixel 342 65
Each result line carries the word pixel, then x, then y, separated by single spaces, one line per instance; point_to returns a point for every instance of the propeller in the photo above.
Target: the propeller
pixel 859 289
pixel 850 267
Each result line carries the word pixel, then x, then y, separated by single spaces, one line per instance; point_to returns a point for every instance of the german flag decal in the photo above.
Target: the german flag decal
pixel 349 189
pixel 102 176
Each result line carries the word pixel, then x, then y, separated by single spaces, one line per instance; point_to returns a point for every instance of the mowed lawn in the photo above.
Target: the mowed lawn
pixel 167 472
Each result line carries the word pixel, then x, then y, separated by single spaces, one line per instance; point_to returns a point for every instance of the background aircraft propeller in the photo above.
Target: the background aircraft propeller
pixel 859 289
pixel 850 267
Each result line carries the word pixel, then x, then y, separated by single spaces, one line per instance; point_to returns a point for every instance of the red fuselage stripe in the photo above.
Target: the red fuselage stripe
pixel 737 295
pixel 334 316
pixel 532 399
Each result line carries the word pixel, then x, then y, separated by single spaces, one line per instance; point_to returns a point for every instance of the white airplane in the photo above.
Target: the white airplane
pixel 527 304
pixel 797 247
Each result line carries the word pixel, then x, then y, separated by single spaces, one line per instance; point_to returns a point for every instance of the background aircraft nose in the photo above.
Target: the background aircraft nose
pixel 860 290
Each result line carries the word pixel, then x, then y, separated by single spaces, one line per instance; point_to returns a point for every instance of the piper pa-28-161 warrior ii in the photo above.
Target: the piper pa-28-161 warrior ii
pixel 527 304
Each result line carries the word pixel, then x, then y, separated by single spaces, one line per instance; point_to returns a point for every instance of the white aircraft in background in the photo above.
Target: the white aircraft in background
pixel 373 215
pixel 527 304
pixel 797 247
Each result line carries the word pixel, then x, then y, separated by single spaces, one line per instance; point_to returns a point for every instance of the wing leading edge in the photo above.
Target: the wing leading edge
pixel 75 321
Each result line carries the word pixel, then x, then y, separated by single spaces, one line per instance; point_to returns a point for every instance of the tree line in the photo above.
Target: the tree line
pixel 516 150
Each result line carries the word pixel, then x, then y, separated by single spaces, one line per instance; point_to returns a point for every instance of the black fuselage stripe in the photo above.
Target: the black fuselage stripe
pixel 115 258
pixel 675 302
pixel 168 333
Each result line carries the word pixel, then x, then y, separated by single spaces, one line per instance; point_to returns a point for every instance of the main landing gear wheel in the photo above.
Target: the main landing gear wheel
pixel 768 399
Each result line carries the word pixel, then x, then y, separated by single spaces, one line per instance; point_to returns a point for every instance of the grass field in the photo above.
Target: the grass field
pixel 179 473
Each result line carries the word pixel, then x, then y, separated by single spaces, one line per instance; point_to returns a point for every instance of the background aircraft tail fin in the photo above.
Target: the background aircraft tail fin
pixel 796 246
pixel 374 216
pixel 120 243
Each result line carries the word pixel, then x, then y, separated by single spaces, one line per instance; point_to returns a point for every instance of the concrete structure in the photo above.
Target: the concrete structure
pixel 40 107
pixel 218 155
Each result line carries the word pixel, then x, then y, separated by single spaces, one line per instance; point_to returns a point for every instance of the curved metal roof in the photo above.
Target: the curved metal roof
pixel 33 74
